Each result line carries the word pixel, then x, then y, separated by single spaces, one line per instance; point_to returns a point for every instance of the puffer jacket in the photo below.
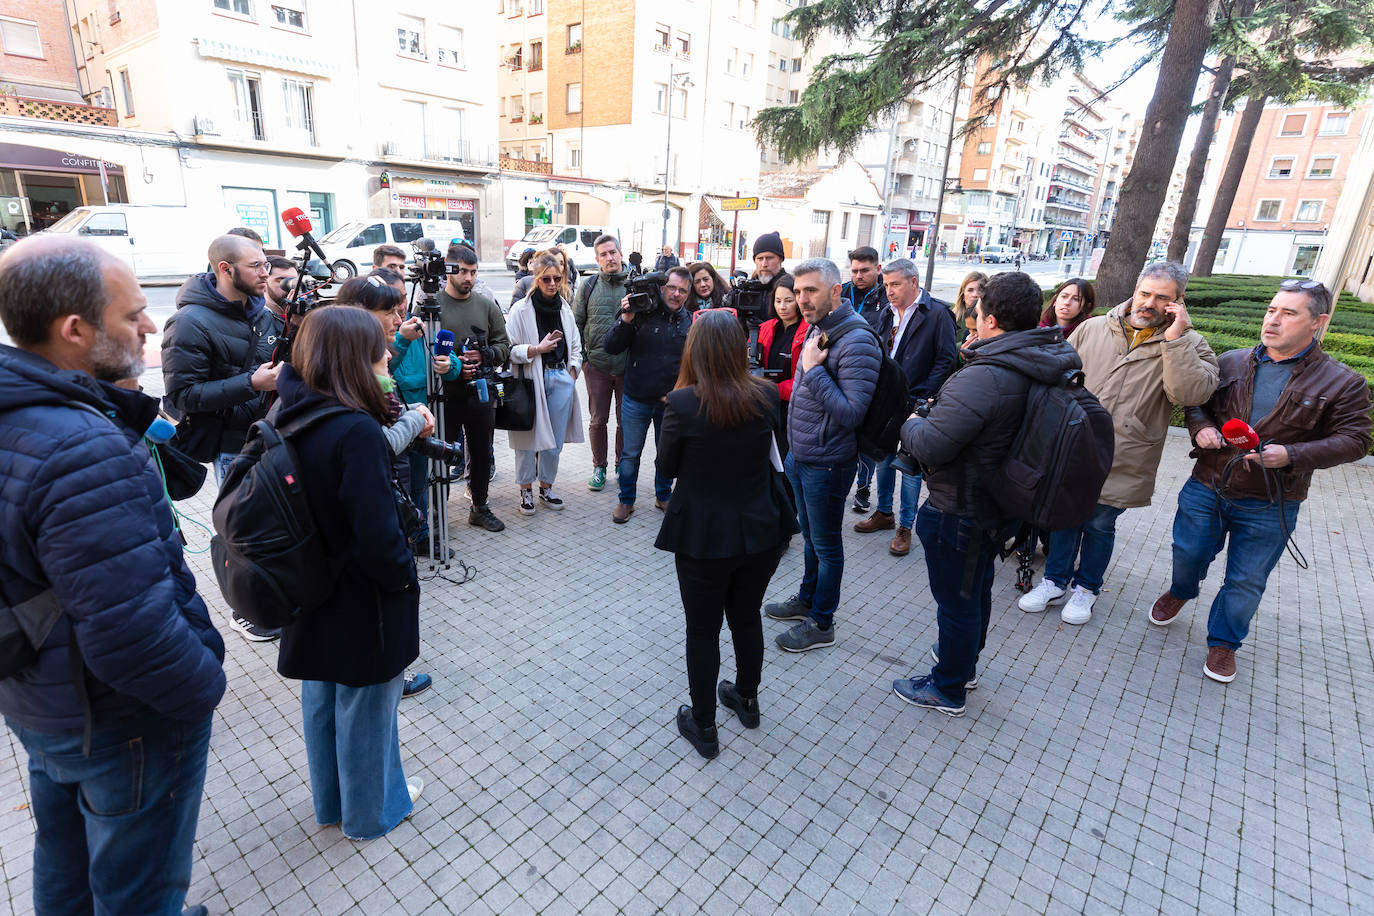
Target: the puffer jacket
pixel 210 349
pixel 596 309
pixel 1137 386
pixel 83 516
pixel 978 413
pixel 1322 419
pixel 829 402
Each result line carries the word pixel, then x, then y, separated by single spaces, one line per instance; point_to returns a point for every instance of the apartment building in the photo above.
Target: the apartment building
pixel 349 112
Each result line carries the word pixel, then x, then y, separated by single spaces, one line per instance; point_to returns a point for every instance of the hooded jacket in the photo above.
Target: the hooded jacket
pixel 210 349
pixel 978 413
pixel 1138 385
pixel 83 516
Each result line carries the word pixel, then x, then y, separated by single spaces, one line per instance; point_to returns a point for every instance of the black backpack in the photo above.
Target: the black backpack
pixel 881 427
pixel 269 558
pixel 1053 473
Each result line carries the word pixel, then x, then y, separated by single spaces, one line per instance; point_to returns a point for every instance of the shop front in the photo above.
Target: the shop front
pixel 38 186
pixel 414 197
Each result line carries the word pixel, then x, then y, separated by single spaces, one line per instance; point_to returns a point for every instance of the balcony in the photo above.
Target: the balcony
pixel 1066 179
pixel 1064 221
pixel 438 150
pixel 49 110
pixel 512 164
pixel 1086 166
pixel 1056 200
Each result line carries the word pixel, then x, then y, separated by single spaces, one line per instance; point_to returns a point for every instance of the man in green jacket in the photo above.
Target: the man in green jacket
pixel 596 309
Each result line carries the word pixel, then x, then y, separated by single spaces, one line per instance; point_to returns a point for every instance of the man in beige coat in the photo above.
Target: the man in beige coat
pixel 1138 359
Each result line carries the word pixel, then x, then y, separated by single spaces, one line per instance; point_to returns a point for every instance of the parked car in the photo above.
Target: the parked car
pixel 997 254
pixel 577 241
pixel 349 247
pixel 152 240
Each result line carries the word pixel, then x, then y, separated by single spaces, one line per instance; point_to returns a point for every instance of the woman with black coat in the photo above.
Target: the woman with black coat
pixel 351 653
pixel 727 528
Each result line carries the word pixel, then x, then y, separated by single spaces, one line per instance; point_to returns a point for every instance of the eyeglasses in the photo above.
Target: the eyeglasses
pixel 261 267
pixel 551 278
pixel 1298 283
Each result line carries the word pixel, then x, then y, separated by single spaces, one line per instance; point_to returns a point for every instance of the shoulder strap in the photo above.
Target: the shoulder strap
pixel 835 334
pixel 589 287
pixel 300 424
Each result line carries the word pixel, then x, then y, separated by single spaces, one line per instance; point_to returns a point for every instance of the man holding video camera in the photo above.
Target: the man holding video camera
pixel 477 323
pixel 652 329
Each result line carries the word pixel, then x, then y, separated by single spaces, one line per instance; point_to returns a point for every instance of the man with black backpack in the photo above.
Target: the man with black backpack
pixel 963 443
pixel 110 669
pixel 831 394
pixel 918 331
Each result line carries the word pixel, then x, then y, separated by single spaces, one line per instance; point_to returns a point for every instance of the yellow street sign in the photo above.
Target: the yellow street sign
pixel 739 203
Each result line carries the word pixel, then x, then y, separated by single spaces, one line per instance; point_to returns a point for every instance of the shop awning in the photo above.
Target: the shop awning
pixel 262 57
pixel 714 207
pixel 41 159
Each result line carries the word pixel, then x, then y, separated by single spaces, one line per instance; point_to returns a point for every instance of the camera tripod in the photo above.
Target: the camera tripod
pixel 440 473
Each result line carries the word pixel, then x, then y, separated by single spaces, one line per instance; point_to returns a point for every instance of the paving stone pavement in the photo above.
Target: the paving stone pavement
pixel 1096 770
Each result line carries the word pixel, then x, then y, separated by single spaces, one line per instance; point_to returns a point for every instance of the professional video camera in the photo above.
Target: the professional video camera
pixel 427 267
pixel 450 453
pixel 905 461
pixel 750 301
pixel 645 293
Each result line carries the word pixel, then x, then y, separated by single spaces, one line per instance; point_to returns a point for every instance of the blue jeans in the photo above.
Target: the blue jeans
pixel 354 751
pixel 1090 547
pixel 221 465
pixel 961 615
pixel 865 472
pixel 116 828
pixel 820 494
pixel 911 491
pixel 559 391
pixel 635 417
pixel 1256 529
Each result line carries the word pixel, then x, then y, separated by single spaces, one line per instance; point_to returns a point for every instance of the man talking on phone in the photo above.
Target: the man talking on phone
pixel 1138 359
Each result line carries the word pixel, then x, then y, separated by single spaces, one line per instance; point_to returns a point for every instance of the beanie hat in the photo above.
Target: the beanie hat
pixel 770 242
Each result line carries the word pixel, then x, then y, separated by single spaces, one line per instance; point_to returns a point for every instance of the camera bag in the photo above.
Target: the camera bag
pixel 881 427
pixel 269 558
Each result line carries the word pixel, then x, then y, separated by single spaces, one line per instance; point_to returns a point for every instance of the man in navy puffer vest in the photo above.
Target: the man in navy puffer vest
pixel 115 712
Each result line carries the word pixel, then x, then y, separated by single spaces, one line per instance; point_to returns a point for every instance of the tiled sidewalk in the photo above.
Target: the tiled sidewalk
pixel 1096 769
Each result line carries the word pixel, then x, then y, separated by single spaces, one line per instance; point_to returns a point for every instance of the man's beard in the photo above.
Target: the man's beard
pixel 248 291
pixel 110 362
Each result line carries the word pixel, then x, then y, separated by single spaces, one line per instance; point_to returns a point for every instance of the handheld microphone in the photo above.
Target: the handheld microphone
pixel 1240 434
pixel 444 343
pixel 299 225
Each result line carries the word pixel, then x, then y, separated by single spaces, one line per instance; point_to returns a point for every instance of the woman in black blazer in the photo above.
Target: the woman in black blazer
pixel 729 517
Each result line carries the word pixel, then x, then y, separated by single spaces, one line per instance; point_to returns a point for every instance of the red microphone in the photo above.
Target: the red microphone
pixel 298 224
pixel 1240 434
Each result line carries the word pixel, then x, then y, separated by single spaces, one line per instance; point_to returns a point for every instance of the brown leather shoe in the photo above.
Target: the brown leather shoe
pixel 901 544
pixel 1166 609
pixel 1221 664
pixel 622 513
pixel 661 505
pixel 878 521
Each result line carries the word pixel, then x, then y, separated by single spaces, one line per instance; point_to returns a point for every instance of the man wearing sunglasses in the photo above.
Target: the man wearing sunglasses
pixel 1308 411
pixel 217 360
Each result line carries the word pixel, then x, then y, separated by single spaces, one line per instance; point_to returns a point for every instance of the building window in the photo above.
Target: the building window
pixel 1322 167
pixel 536 55
pixel 1281 167
pixel 517 108
pixel 730 60
pixel 574 157
pixel 796 65
pixel 536 7
pixel 1309 211
pixel 289 14
pixel 661 33
pixel 777 26
pixel 746 66
pixel 684 45
pixel 1305 260
pixel 660 98
pixel 247 91
pixel 410 36
pixel 299 96
pixel 536 108
pixel 128 90
pixel 743 113
pixel 574 98
pixel 1267 211
pixel 680 103
pixel 747 12
pixel 1335 124
pixel 1293 125
pixel 21 38
pixel 792 96
pixel 980 174
pixel 516 61
pixel 844 224
pixel 985 149
pixel 574 37
pixel 448 46
pixel 240 7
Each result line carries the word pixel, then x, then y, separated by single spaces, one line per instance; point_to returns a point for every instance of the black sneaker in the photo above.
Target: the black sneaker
pixel 791 609
pixel 481 517
pixel 861 500
pixel 548 500
pixel 747 710
pixel 252 632
pixel 416 683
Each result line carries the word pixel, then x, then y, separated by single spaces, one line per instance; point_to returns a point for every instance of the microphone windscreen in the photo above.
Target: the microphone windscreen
pixel 443 343
pixel 1240 434
pixel 297 223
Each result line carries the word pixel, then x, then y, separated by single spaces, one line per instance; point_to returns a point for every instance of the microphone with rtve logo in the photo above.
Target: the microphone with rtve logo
pixel 299 225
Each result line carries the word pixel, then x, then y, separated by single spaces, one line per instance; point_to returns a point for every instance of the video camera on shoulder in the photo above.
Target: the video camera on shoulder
pixel 750 300
pixel 645 294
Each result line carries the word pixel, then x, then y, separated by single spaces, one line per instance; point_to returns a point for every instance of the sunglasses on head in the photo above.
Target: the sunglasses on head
pixel 1297 283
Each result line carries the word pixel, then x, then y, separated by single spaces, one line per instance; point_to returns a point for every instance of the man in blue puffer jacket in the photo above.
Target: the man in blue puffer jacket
pixel 115 707
pixel 830 395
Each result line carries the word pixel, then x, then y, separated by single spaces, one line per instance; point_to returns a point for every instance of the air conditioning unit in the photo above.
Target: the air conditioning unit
pixel 204 127
pixel 101 99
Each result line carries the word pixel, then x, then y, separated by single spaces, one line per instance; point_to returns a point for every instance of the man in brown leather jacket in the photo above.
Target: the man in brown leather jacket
pixel 1310 412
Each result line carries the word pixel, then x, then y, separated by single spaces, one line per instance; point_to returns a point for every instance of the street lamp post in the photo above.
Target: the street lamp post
pixel 668 153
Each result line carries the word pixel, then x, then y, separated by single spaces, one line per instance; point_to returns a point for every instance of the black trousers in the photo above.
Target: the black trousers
pixel 730 590
pixel 461 408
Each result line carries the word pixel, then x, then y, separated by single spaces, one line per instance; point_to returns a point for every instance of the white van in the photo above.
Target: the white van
pixel 997 254
pixel 577 241
pixel 349 247
pixel 156 242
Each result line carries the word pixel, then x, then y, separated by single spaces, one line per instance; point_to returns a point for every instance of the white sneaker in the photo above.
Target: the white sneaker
pixel 416 785
pixel 1042 596
pixel 1079 607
